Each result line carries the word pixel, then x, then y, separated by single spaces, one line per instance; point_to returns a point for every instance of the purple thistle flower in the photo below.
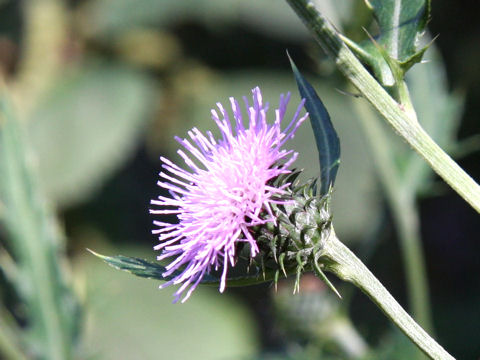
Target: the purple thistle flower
pixel 226 190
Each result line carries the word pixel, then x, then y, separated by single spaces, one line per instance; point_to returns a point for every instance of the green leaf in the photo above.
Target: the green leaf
pixel 86 127
pixel 107 19
pixel 135 266
pixel 395 346
pixel 35 243
pixel 326 138
pixel 401 23
pixel 154 270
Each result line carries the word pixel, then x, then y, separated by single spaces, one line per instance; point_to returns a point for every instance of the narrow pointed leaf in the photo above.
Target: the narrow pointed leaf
pixel 326 138
pixel 154 270
pixel 135 266
pixel 32 237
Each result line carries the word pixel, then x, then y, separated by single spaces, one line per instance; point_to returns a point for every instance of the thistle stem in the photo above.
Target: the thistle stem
pixel 395 114
pixel 339 260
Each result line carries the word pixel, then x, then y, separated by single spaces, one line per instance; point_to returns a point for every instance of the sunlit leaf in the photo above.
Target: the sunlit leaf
pixel 401 23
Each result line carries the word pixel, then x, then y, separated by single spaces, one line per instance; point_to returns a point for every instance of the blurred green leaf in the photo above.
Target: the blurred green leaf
pixel 439 111
pixel 106 19
pixel 326 138
pixel 124 310
pixel 86 127
pixel 340 13
pixel 401 23
pixel 396 346
pixel 35 243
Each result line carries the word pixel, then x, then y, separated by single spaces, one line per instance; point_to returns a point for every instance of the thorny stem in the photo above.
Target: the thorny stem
pixel 396 115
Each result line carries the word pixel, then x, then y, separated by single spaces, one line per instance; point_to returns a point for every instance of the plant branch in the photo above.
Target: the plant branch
pixel 339 260
pixel 396 115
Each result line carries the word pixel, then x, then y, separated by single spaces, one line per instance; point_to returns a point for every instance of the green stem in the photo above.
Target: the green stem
pixel 405 214
pixel 341 331
pixel 396 115
pixel 339 260
pixel 406 218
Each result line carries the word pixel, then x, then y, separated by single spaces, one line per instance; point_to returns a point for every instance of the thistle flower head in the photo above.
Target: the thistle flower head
pixel 225 190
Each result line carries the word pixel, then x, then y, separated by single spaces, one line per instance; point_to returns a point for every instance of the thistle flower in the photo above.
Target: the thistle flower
pixel 226 190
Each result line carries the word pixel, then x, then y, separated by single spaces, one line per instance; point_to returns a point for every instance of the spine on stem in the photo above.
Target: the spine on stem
pixel 404 124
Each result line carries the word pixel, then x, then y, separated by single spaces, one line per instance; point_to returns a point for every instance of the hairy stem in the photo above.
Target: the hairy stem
pixel 343 263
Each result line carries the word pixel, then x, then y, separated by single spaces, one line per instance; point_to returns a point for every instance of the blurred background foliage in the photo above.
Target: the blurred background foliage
pixel 100 87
